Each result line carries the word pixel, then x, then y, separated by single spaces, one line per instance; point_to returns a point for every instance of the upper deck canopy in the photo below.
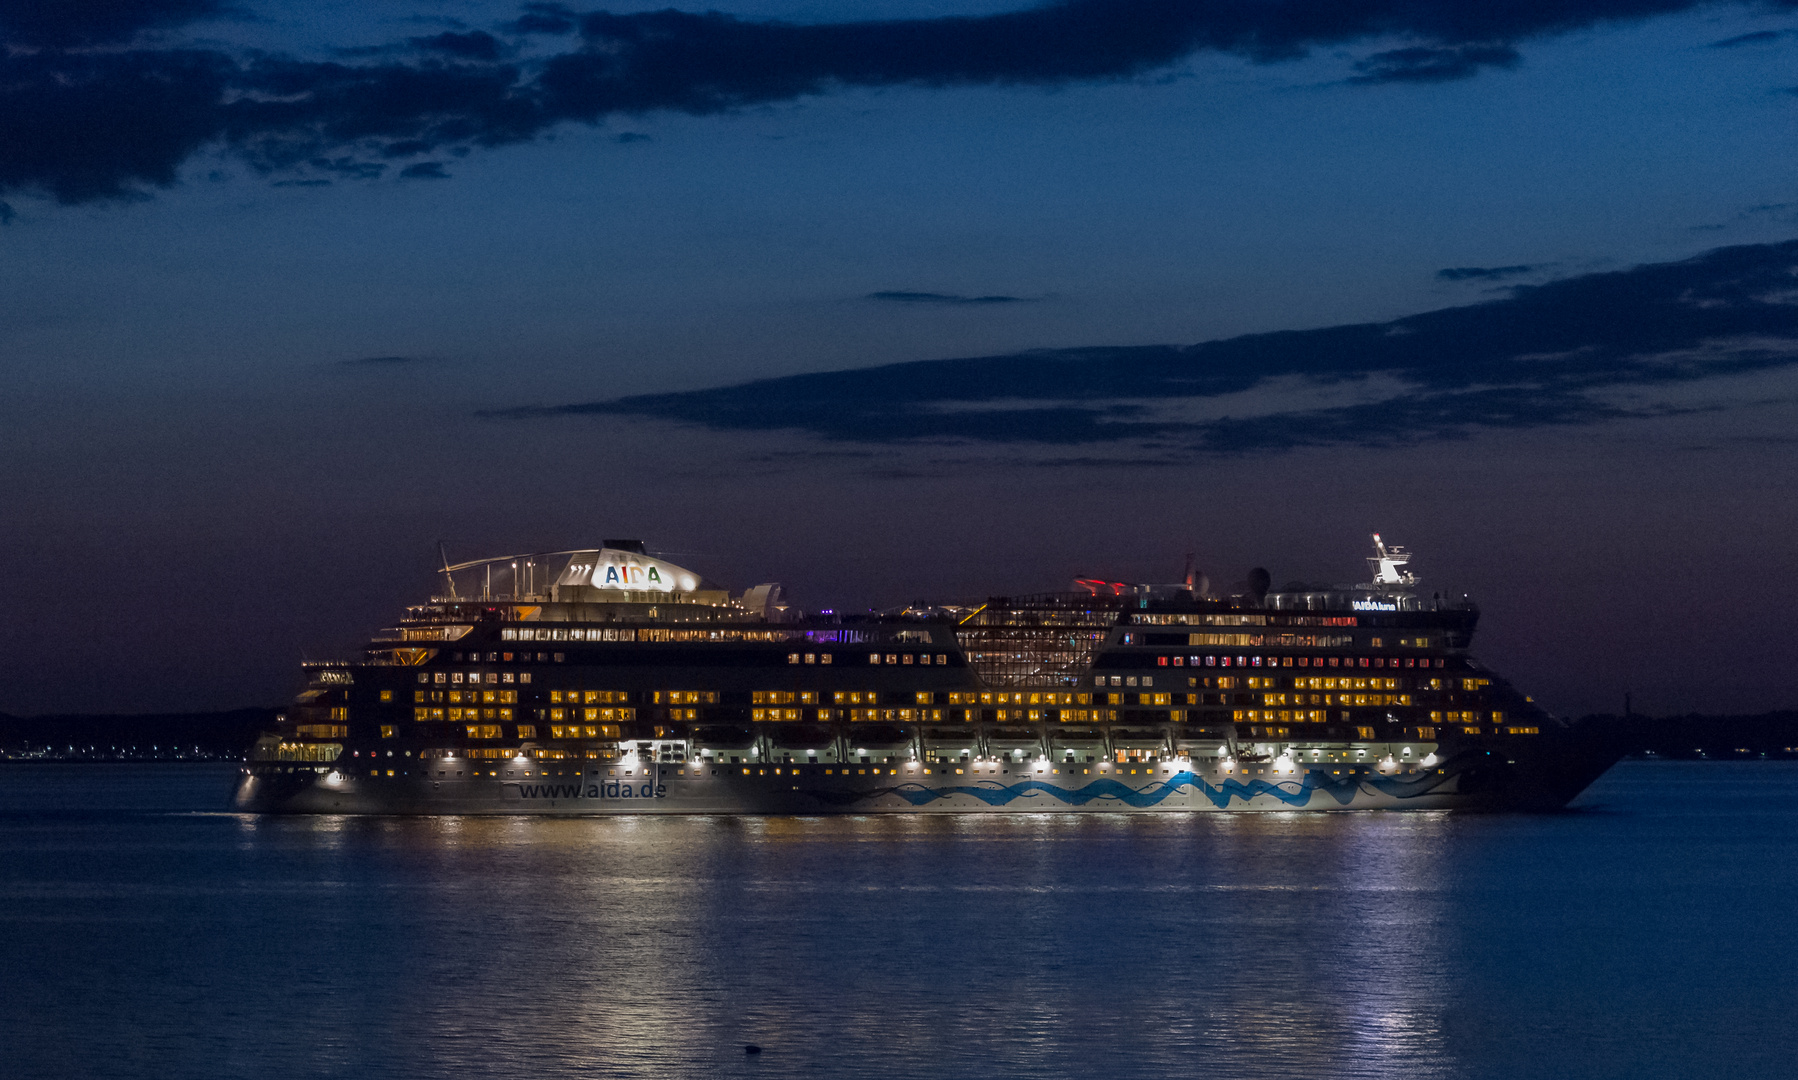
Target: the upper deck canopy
pixel 619 571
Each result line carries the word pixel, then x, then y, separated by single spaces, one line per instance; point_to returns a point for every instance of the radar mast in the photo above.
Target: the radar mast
pixel 1388 566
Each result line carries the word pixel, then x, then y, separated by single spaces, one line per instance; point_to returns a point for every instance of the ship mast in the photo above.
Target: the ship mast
pixel 1388 566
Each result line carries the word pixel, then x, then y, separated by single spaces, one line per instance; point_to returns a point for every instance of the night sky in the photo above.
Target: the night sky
pixel 897 300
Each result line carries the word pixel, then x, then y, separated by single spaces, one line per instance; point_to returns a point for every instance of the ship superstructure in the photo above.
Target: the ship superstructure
pixel 608 680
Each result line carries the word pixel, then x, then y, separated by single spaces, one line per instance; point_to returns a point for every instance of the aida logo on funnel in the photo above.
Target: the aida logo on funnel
pixel 620 576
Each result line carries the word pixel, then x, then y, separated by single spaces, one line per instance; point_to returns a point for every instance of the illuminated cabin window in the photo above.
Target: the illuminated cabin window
pixel 1523 731
pixel 1364 733
pixel 340 713
pixel 604 716
pixel 527 731
pixel 686 697
pixel 855 697
pixel 323 731
pixel 388 731
pixel 387 695
pixel 483 731
pixel 1426 733
pixel 783 697
pixel 1020 697
pixel 1471 730
pixel 890 716
pixel 774 714
pixel 490 697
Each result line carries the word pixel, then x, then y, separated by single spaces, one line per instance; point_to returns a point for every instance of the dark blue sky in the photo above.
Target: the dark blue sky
pixel 292 291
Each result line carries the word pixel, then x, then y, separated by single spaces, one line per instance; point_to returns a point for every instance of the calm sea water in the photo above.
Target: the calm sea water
pixel 1651 932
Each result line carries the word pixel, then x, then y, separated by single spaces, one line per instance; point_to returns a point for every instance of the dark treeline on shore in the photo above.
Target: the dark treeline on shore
pixel 212 736
pixel 1770 734
pixel 227 735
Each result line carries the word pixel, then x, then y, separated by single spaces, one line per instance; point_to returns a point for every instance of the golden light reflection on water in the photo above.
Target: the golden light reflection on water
pixel 141 938
pixel 1286 944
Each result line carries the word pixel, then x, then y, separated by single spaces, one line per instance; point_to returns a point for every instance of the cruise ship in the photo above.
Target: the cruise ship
pixel 612 681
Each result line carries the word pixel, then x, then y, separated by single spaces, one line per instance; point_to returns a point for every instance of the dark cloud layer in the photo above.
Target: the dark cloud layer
pixel 1758 37
pixel 1486 273
pixel 84 123
pixel 1544 354
pixel 403 364
pixel 1430 64
pixel 896 297
pixel 64 23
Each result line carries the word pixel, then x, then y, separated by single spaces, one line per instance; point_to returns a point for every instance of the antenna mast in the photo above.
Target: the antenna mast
pixel 1388 565
pixel 449 579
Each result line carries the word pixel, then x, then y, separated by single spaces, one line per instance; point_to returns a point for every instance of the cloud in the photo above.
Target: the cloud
pixel 1487 273
pixel 943 298
pixel 552 19
pixel 383 361
pixel 475 45
pixel 1758 37
pixel 65 23
pixel 83 123
pixel 1567 352
pixel 1432 64
pixel 425 170
pixel 7 214
pixel 625 138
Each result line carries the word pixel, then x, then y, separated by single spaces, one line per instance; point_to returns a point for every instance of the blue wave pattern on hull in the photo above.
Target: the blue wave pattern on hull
pixel 1295 793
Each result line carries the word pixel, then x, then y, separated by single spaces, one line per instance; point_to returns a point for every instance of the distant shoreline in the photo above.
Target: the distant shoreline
pixel 225 736
pixel 83 737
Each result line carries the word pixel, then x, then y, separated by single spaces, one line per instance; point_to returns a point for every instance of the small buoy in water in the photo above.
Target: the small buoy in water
pixel 752 1048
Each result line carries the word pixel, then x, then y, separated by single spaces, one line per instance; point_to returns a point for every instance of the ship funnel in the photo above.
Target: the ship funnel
pixel 633 546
